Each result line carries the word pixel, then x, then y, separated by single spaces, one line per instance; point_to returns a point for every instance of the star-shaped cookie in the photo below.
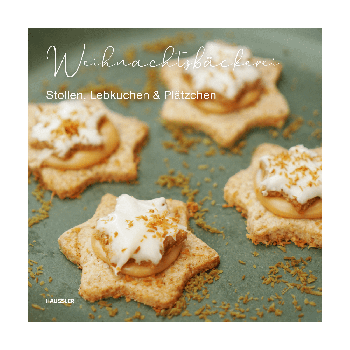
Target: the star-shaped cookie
pixel 270 110
pixel 159 291
pixel 262 225
pixel 121 165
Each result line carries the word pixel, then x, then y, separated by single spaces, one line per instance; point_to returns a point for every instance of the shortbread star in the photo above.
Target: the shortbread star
pixel 162 290
pixel 120 166
pixel 271 110
pixel 262 225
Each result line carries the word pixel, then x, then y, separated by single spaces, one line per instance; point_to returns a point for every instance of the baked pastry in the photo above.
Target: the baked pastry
pixel 75 143
pixel 224 96
pixel 281 195
pixel 137 249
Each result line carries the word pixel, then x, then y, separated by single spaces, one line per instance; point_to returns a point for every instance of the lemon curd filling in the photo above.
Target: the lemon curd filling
pixel 73 135
pixel 227 73
pixel 140 238
pixel 289 184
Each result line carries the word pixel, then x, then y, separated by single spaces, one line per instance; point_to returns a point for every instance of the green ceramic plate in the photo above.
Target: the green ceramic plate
pixel 300 52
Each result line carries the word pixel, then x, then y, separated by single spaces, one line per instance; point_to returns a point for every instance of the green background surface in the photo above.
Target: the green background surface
pixel 299 50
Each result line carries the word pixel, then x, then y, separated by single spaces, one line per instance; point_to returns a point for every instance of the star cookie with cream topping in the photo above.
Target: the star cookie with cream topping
pixel 280 194
pixel 246 95
pixel 143 251
pixel 73 144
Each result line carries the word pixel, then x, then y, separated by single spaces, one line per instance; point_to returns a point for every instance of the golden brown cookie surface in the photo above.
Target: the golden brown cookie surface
pixel 264 226
pixel 271 109
pixel 82 159
pixel 98 281
pixel 280 206
pixel 121 165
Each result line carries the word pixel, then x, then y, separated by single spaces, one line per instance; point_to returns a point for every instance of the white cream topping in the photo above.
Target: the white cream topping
pixel 141 226
pixel 84 119
pixel 298 173
pixel 228 81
